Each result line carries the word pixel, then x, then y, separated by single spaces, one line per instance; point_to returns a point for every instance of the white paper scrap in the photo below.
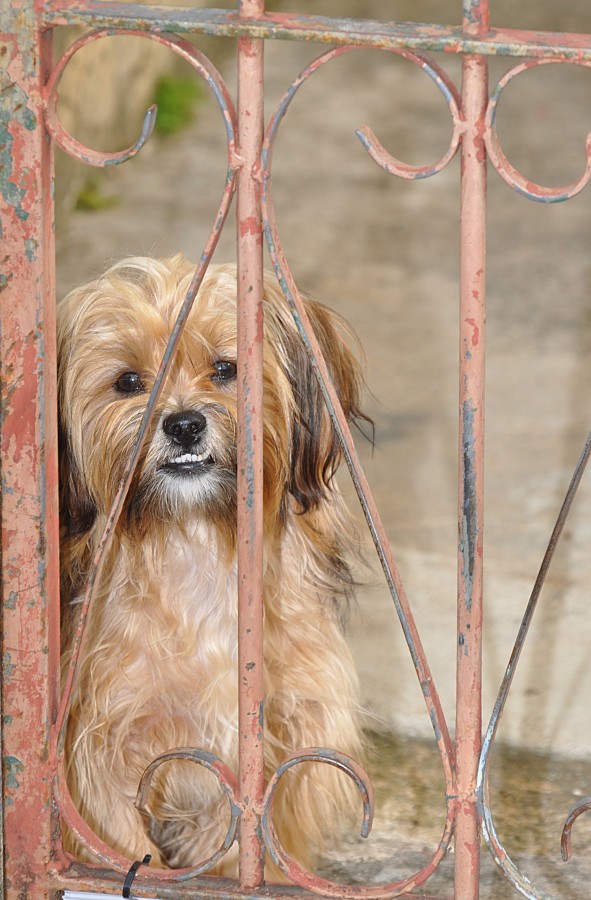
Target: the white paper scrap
pixel 90 895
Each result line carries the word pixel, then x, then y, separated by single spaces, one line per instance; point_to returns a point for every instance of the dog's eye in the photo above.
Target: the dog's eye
pixel 129 383
pixel 223 370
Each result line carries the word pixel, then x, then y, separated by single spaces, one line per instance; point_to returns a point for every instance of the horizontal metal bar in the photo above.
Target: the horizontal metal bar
pixel 203 888
pixel 291 26
pixel 209 889
pixel 86 878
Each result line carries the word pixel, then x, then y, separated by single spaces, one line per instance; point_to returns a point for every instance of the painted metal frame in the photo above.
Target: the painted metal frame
pixel 34 794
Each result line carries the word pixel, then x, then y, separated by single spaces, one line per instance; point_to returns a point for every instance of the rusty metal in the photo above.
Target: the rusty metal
pixel 69 144
pixel 292 869
pixel 225 777
pixel 322 29
pixel 250 457
pixel 499 853
pixel 471 455
pixel 215 82
pixel 582 806
pixel 29 558
pixel 186 51
pixel 507 172
pixel 371 513
pixel 33 861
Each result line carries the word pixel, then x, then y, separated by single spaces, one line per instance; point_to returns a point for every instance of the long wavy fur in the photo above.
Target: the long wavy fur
pixel 160 665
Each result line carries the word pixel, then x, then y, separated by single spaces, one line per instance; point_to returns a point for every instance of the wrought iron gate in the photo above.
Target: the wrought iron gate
pixel 34 795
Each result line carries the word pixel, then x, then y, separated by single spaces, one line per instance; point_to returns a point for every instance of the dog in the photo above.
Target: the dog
pixel 159 668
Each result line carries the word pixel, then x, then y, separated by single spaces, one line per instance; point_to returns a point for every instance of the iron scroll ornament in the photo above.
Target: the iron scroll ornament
pixel 183 48
pixel 500 855
pixel 541 194
pixel 508 173
pixel 341 427
pixel 89 156
pixel 533 191
pixel 70 145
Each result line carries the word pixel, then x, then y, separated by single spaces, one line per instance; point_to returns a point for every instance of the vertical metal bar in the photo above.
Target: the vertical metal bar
pixel 471 457
pixel 28 432
pixel 250 446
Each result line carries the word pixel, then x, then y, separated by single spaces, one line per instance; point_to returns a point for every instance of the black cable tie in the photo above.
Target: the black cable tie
pixel 126 892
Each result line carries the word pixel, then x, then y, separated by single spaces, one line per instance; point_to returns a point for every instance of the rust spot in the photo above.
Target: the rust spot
pixel 479 144
pixel 475 329
pixel 251 225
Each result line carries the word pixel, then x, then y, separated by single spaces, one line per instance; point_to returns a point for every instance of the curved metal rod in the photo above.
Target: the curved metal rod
pixel 508 173
pixel 225 777
pixel 64 800
pixel 366 500
pixel 378 153
pixel 499 853
pixel 282 859
pixel 584 805
pixel 450 93
pixel 179 45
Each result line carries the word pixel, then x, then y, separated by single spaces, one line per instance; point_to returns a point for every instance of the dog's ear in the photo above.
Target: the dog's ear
pixel 77 510
pixel 315 451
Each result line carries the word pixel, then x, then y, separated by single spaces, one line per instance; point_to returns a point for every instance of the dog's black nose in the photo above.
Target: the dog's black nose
pixel 184 427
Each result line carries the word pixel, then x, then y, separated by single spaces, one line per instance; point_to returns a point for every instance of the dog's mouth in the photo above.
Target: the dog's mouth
pixel 188 463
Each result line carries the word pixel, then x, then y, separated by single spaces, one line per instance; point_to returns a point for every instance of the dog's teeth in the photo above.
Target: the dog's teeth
pixel 190 457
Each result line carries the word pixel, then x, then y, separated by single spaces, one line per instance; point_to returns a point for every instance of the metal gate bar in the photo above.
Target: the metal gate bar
pixel 250 440
pixel 34 864
pixel 30 539
pixel 507 42
pixel 471 455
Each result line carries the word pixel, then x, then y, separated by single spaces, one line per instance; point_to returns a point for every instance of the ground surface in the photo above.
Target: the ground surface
pixel 385 253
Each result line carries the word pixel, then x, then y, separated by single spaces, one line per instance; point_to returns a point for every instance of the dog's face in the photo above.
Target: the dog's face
pixel 111 337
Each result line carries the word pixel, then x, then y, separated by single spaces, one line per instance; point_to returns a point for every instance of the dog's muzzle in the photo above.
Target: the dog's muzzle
pixel 186 430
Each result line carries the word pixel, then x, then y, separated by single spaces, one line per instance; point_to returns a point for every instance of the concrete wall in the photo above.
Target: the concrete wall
pixel 384 252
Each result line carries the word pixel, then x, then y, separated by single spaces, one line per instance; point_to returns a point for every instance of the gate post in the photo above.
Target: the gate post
pixel 250 450
pixel 471 456
pixel 28 431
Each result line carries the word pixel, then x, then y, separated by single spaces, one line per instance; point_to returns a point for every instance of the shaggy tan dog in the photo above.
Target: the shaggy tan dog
pixel 159 669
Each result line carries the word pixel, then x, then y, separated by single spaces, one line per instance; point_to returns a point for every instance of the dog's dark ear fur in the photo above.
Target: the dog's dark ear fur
pixel 315 451
pixel 77 510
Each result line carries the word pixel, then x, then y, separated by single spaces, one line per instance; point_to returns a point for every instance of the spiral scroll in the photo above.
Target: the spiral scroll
pixel 226 779
pixel 582 806
pixel 85 154
pixel 180 46
pixel 294 872
pixel 508 173
pixel 490 835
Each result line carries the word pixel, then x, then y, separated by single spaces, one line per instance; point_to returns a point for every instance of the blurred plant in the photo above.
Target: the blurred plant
pixel 176 98
pixel 91 197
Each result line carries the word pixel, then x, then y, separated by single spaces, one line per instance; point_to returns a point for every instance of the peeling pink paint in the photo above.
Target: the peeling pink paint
pixel 472 322
pixel 29 465
pixel 29 432
pixel 250 226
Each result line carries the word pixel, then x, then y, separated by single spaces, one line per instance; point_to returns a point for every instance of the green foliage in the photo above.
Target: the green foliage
pixel 91 197
pixel 176 98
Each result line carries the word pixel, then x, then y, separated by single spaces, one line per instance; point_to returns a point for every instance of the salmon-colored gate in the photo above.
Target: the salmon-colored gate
pixel 33 716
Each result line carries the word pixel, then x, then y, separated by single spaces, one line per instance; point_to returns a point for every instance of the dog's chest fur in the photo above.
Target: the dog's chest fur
pixel 174 632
